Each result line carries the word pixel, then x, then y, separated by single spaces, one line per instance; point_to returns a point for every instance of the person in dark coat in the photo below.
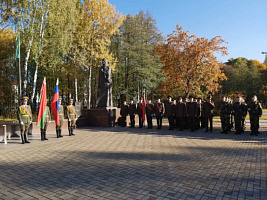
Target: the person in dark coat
pixel 238 113
pixel 199 111
pixel 132 111
pixel 191 108
pixel 208 107
pixel 149 113
pixel 180 113
pixel 140 112
pixel 224 110
pixel 124 113
pixel 174 104
pixel 159 110
pixel 255 112
pixel 169 112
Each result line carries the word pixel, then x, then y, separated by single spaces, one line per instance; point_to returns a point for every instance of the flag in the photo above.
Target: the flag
pixel 144 108
pixel 18 47
pixel 55 106
pixel 42 111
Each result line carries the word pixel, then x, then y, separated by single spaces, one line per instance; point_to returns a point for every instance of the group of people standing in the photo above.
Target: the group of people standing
pixel 25 119
pixel 193 113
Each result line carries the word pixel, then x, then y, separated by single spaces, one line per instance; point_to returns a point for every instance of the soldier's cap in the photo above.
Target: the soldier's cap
pixel 158 98
pixel 180 97
pixel 169 97
pixel 199 98
pixel 131 99
pixel 190 97
pixel 173 99
pixel 25 97
pixel 208 97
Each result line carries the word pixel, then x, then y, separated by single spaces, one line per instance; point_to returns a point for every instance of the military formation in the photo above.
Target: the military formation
pixel 25 119
pixel 193 114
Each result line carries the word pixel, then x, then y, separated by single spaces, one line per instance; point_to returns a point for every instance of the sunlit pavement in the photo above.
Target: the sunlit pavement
pixel 125 163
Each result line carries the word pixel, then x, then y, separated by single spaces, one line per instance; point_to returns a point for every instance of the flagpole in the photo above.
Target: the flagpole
pixel 19 79
pixel 144 108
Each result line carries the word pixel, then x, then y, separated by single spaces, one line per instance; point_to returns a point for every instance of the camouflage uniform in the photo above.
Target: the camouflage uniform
pixel 224 109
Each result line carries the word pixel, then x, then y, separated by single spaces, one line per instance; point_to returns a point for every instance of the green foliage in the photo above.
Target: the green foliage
pixel 138 67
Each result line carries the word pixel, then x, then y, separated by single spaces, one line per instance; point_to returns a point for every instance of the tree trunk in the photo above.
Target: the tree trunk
pixel 89 86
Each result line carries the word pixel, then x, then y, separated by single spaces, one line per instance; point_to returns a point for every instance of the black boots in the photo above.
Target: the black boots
pixel 25 138
pixel 59 133
pixel 71 131
pixel 22 138
pixel 43 136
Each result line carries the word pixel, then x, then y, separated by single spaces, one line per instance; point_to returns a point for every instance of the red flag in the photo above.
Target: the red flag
pixel 42 111
pixel 55 105
pixel 144 108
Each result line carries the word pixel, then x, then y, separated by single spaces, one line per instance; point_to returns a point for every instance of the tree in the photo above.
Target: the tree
pixel 138 67
pixel 190 64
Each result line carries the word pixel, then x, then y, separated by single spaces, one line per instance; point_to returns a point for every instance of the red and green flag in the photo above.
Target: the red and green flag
pixel 42 111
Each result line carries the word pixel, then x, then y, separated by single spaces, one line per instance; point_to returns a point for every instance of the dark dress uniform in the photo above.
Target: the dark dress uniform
pixel 71 113
pixel 132 111
pixel 124 113
pixel 169 114
pixel 46 121
pixel 208 114
pixel 180 113
pixel 140 114
pixel 191 108
pixel 159 110
pixel 224 109
pixel 255 111
pixel 25 119
pixel 198 115
pixel 238 113
pixel 244 114
pixel 149 115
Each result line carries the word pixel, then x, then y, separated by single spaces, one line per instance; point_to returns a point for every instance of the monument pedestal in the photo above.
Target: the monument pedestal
pixel 99 117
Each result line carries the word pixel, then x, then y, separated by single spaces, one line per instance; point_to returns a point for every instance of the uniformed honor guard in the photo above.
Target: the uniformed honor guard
pixel 61 118
pixel 140 112
pixel 208 107
pixel 244 114
pixel 25 119
pixel 169 112
pixel 180 111
pixel 72 117
pixel 46 121
pixel 224 110
pixel 149 114
pixel 191 113
pixel 238 113
pixel 159 110
pixel 199 113
pixel 132 111
pixel 124 113
pixel 255 112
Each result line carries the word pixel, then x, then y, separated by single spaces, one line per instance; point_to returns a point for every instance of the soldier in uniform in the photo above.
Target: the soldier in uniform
pixel 169 112
pixel 208 107
pixel 25 119
pixel 46 121
pixel 149 113
pixel 132 111
pixel 255 112
pixel 159 110
pixel 223 109
pixel 191 110
pixel 180 112
pixel 140 112
pixel 61 118
pixel 238 113
pixel 124 113
pixel 199 111
pixel 72 117
pixel 244 114
pixel 174 104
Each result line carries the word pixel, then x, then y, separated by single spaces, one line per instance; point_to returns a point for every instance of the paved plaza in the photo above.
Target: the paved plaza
pixel 125 163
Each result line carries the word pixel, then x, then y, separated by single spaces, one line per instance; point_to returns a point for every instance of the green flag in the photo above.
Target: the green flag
pixel 18 47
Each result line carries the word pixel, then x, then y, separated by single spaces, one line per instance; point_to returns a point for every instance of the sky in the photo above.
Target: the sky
pixel 241 23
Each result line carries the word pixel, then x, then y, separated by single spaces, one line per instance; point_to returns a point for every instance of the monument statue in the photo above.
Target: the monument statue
pixel 105 86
